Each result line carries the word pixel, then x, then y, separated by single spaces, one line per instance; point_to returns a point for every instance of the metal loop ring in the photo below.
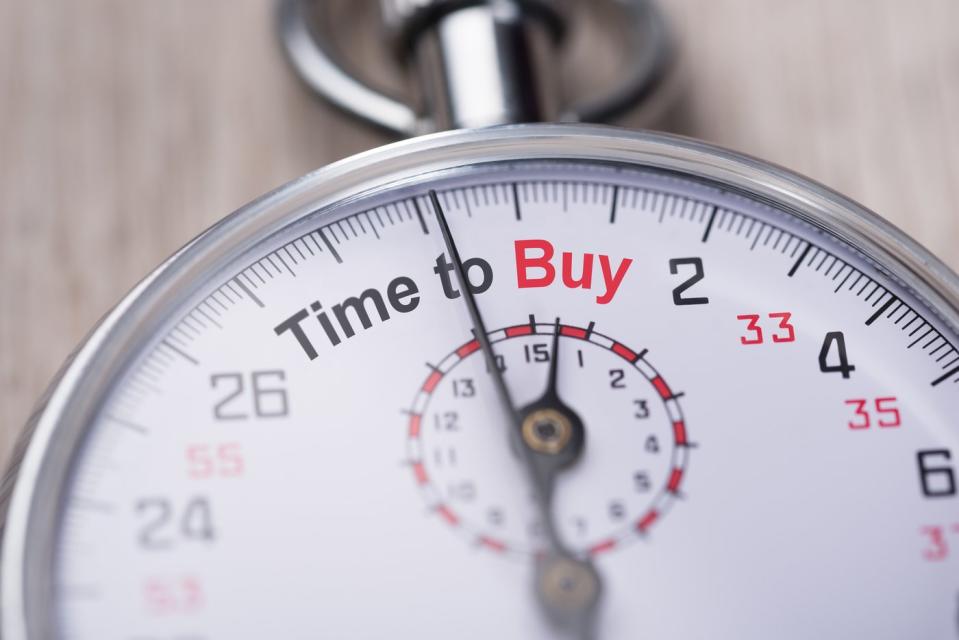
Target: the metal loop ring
pixel 650 50
pixel 316 63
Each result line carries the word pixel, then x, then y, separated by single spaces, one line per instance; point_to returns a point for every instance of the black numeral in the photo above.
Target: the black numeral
pixel 698 274
pixel 463 491
pixel 267 397
pixel 159 530
pixel 616 510
pixel 464 388
pixel 641 482
pixel 500 363
pixel 447 421
pixel 642 409
pixel 158 513
pixel 652 444
pixel 538 353
pixel 616 377
pixel 839 340
pixel 936 481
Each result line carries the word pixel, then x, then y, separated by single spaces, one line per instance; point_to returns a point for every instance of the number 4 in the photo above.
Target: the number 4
pixel 837 339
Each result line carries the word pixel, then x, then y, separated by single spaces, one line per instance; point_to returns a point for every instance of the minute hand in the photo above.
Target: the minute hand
pixel 550 437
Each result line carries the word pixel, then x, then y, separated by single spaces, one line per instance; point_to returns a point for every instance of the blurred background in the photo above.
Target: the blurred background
pixel 129 126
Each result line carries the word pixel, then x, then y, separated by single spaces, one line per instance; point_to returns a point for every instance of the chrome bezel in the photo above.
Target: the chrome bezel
pixel 32 490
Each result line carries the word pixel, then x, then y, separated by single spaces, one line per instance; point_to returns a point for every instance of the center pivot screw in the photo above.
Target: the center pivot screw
pixel 547 431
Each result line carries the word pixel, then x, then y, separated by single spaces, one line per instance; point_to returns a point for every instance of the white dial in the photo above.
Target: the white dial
pixel 313 448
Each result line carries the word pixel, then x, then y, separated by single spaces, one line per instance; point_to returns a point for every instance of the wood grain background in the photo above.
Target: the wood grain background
pixel 128 126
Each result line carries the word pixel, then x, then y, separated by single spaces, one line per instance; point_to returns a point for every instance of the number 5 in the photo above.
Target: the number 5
pixel 883 408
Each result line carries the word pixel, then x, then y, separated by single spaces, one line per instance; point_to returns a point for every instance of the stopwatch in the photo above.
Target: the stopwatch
pixel 525 381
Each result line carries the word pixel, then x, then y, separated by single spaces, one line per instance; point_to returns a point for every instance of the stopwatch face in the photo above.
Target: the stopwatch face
pixel 291 429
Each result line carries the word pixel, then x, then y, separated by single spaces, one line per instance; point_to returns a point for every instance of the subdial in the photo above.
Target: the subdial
pixel 466 466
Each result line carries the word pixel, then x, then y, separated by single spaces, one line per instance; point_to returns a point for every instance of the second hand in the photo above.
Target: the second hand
pixel 551 436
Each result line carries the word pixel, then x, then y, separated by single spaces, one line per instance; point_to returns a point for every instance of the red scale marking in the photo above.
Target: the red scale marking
pixel 679 432
pixel 432 381
pixel 420 472
pixel 647 521
pixel 519 330
pixel 468 348
pixel 447 515
pixel 674 479
pixel 572 332
pixel 624 352
pixel 606 545
pixel 492 543
pixel 662 387
pixel 415 420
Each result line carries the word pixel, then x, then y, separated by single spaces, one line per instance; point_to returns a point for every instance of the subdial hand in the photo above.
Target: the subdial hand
pixel 554 436
pixel 549 427
pixel 551 437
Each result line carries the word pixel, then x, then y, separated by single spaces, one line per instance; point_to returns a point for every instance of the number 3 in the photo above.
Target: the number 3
pixel 783 317
pixel 861 412
pixel 753 326
pixel 937 549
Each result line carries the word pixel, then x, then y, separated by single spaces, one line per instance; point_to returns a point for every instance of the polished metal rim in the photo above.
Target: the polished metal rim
pixel 32 490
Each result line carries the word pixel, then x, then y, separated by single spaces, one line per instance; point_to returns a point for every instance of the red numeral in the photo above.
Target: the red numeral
pixel 861 412
pixel 753 326
pixel 168 596
pixel 215 460
pixel 937 547
pixel 783 317
pixel 752 319
pixel 199 461
pixel 887 412
pixel 883 408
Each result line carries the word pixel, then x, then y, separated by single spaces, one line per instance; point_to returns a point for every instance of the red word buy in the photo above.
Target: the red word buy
pixel 534 268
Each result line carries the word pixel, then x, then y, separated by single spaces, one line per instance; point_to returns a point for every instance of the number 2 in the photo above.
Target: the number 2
pixel 698 274
pixel 616 379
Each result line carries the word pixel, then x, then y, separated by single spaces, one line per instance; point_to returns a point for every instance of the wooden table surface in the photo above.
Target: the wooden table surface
pixel 128 126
